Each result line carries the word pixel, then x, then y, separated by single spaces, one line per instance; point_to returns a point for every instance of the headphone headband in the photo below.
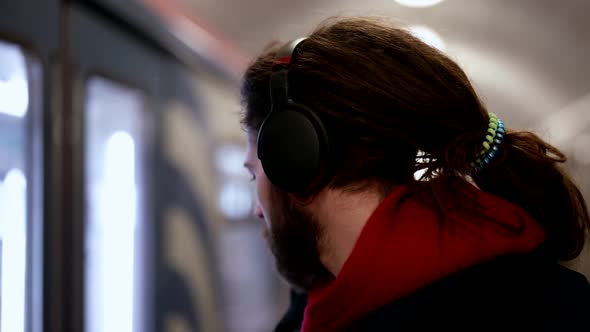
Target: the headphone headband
pixel 279 83
pixel 285 54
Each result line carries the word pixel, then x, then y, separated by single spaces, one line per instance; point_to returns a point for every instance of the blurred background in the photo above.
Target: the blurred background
pixel 123 202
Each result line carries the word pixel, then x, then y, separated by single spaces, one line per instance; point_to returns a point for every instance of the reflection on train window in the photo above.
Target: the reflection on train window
pixel 14 104
pixel 114 204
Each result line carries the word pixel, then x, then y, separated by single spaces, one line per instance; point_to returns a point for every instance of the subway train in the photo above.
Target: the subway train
pixel 121 206
pixel 108 221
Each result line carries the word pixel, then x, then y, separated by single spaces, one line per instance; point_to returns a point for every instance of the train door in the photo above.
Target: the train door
pixel 114 78
pixel 28 59
pixel 148 255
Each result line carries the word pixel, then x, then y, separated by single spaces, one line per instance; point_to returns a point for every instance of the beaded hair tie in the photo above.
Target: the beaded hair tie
pixel 491 144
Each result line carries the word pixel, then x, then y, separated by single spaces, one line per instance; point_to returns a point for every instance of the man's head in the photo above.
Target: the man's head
pixel 382 95
pixel 292 231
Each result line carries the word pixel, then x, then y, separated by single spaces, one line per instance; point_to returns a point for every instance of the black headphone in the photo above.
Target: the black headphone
pixel 292 141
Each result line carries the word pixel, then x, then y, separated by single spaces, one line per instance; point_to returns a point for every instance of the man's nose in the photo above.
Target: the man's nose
pixel 258 211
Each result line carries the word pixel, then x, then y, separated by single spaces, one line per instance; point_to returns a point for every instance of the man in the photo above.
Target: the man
pixel 335 124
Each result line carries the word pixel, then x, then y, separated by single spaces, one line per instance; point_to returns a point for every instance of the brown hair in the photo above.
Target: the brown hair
pixel 385 95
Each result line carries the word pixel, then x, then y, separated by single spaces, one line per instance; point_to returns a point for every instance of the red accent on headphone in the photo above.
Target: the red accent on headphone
pixel 282 61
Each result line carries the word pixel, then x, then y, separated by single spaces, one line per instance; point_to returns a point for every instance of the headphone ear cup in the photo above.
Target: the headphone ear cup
pixel 292 146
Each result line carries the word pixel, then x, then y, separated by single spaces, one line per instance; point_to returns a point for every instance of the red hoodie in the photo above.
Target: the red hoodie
pixel 405 246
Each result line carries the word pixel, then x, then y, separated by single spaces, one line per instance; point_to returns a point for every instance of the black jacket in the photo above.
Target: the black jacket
pixel 517 293
pixel 291 321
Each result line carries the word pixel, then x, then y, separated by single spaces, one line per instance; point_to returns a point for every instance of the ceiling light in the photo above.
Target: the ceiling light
pixel 418 3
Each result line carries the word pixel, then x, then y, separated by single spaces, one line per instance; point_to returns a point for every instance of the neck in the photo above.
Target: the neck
pixel 343 216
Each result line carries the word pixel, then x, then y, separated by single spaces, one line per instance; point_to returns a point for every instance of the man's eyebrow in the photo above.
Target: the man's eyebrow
pixel 248 165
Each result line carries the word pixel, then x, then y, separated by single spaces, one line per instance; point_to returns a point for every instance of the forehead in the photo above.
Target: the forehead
pixel 251 145
pixel 252 137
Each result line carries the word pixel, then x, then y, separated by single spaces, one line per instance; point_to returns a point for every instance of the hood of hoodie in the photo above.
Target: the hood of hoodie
pixel 406 245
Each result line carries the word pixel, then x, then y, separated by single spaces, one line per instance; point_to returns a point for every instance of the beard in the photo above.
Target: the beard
pixel 294 239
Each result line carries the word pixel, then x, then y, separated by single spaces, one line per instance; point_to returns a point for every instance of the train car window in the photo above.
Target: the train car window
pixel 114 210
pixel 14 109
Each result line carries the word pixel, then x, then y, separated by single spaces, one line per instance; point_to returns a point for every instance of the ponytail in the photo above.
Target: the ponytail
pixel 528 172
